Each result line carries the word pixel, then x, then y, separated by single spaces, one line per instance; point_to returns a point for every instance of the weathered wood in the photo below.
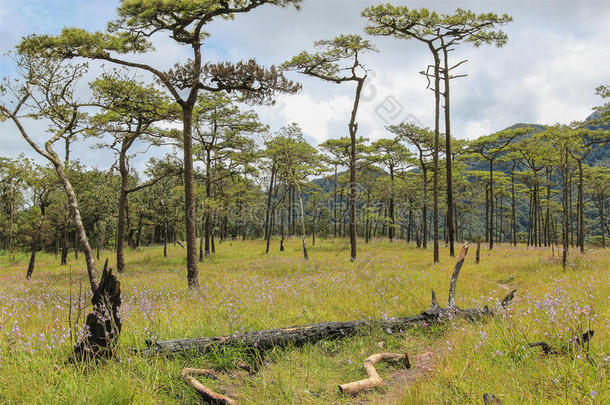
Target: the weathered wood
pixel 508 299
pixel 373 380
pixel 478 255
pixel 577 341
pixel 301 335
pixel 103 323
pixel 490 399
pixel 456 273
pixel 207 394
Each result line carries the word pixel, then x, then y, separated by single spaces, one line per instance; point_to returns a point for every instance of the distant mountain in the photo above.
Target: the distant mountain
pixel 327 183
pixel 482 165
pixel 595 115
pixel 539 128
pixel 600 155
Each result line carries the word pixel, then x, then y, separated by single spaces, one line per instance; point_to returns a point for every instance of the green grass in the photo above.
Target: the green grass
pixel 242 289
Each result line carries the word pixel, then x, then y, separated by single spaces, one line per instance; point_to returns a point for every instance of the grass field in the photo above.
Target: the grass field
pixel 242 289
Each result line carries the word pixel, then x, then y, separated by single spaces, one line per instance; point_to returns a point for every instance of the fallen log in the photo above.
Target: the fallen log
pixel 207 394
pixel 373 380
pixel 301 335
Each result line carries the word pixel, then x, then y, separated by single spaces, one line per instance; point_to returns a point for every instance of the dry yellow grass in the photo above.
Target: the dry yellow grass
pixel 243 289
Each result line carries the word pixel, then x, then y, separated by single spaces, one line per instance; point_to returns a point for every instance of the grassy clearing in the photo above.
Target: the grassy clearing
pixel 243 289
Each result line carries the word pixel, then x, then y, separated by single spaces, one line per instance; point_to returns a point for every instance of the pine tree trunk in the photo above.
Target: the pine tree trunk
pixel 304 242
pixel 313 224
pixel 491 204
pixel 271 220
pixel 192 273
pixel 424 213
pixel 410 227
pixel 164 238
pixel 581 205
pixel 353 129
pixel 294 212
pixel 450 203
pixel 486 213
pixel 268 210
pixel 335 205
pixel 513 210
pixel 202 232
pixel 282 215
pixel 392 229
pixel 76 216
pixel 11 218
pixel 501 213
pixel 435 152
pixel 36 243
pixel 64 248
pixel 570 211
pixel 566 216
pixel 602 219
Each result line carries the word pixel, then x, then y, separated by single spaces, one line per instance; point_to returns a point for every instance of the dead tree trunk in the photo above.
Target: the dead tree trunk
pixel 456 273
pixel 303 241
pixel 103 323
pixel 36 243
pixel 300 335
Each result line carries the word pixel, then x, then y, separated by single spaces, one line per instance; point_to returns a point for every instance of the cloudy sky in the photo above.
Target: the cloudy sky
pixel 558 52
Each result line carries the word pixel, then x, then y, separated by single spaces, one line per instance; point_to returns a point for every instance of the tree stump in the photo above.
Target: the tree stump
pixel 103 324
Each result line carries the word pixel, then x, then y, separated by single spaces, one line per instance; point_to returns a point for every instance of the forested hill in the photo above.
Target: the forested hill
pixel 599 156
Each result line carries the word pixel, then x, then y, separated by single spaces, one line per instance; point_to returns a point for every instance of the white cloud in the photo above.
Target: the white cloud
pixel 558 52
pixel 317 117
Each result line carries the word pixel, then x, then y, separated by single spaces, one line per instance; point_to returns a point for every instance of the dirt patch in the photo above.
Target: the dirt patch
pixel 422 366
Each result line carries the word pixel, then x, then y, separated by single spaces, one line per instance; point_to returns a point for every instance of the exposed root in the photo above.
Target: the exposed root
pixel 207 394
pixel 373 380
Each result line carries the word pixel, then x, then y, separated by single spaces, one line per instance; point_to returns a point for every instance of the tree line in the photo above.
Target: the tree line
pixel 233 171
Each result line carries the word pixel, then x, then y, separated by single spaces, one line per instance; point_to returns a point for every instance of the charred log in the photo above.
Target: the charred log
pixel 300 335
